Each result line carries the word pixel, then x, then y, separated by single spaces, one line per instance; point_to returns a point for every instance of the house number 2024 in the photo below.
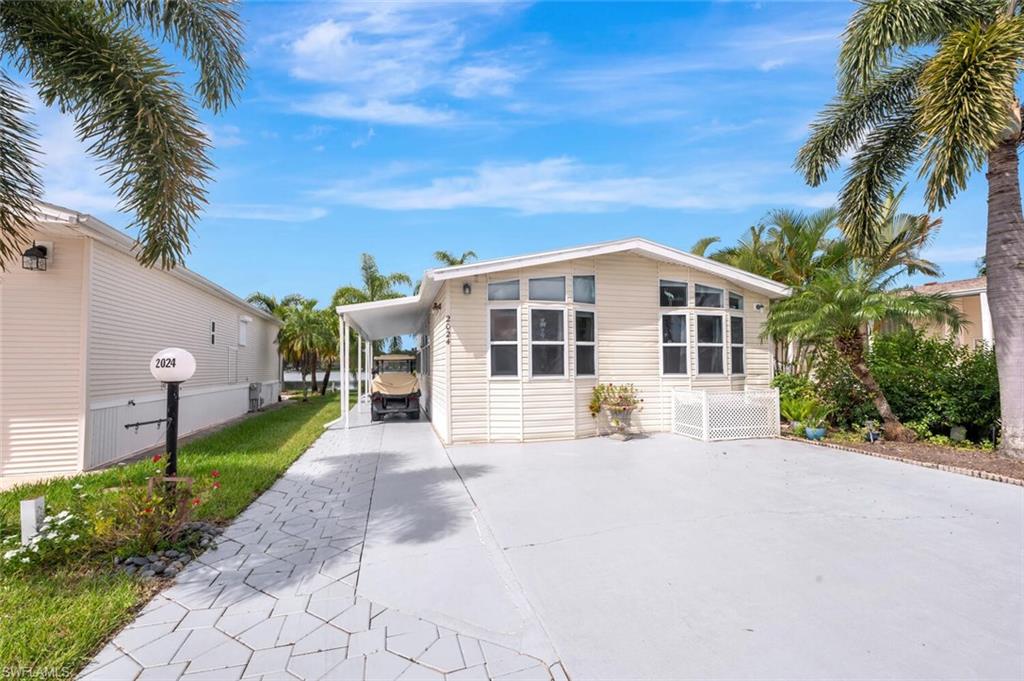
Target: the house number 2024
pixel 165 362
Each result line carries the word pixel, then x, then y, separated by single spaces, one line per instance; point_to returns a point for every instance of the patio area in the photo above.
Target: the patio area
pixel 660 558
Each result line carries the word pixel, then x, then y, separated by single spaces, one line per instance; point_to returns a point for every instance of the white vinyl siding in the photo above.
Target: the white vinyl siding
pixel 41 362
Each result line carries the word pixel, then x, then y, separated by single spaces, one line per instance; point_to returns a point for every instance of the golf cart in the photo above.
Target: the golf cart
pixel 395 388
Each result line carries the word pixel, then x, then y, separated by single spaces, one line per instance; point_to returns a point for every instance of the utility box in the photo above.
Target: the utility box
pixel 255 396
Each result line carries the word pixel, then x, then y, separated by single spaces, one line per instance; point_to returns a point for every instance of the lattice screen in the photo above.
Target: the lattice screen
pixel 725 415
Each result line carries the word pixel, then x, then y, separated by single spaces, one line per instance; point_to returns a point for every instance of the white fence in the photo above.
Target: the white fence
pixel 708 416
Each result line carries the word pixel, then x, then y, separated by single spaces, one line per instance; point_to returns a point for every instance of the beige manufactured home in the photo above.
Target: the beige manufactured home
pixel 76 339
pixel 512 348
pixel 970 296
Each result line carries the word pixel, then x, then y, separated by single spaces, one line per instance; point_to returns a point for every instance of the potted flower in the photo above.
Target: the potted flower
pixel 816 420
pixel 618 402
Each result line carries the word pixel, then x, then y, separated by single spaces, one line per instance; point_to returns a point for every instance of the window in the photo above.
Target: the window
pixel 547 342
pixel 504 341
pixel 243 331
pixel 503 290
pixel 586 364
pixel 213 333
pixel 548 288
pixel 736 344
pixel 710 344
pixel 673 344
pixel 735 301
pixel 584 289
pixel 707 296
pixel 672 294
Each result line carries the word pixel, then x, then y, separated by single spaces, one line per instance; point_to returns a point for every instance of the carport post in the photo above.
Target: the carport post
pixel 359 371
pixel 343 334
pixel 369 373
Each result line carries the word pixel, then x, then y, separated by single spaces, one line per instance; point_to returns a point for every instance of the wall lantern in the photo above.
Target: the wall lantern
pixel 759 307
pixel 34 258
pixel 467 289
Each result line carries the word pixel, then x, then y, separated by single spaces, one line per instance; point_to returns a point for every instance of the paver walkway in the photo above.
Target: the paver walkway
pixel 277 597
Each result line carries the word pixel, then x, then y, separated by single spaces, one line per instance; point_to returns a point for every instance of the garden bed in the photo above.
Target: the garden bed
pixel 53 620
pixel 967 459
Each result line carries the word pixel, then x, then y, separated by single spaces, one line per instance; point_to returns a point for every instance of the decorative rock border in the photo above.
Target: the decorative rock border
pixel 167 564
pixel 970 472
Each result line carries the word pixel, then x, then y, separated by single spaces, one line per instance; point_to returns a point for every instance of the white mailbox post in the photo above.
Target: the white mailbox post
pixel 172 366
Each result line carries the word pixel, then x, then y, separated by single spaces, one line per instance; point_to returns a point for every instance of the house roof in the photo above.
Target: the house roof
pixel 955 287
pixel 97 229
pixel 399 316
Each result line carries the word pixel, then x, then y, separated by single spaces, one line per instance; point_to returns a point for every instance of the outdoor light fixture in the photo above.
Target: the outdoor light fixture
pixel 467 289
pixel 436 307
pixel 34 258
pixel 758 307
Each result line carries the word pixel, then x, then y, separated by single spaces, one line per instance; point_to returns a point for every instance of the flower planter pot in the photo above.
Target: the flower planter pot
pixel 815 433
pixel 619 420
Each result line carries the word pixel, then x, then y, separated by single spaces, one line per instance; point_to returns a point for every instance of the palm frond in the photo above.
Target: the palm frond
pixel 209 32
pixel 701 247
pixel 264 301
pixel 127 107
pixel 845 121
pixel 967 103
pixel 19 182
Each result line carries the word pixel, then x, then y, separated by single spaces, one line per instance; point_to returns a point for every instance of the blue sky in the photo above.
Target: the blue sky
pixel 403 128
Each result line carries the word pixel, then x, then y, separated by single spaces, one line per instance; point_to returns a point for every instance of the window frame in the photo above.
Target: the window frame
pixel 504 301
pixel 243 331
pixel 564 309
pixel 554 301
pixel 673 312
pixel 697 345
pixel 728 301
pixel 723 297
pixel 742 345
pixel 673 282
pixel 583 302
pixel 589 309
pixel 517 343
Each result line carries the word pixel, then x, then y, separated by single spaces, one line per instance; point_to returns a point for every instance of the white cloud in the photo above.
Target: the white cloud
pixel 363 140
pixel 338 105
pixel 563 185
pixel 265 212
pixel 224 136
pixel 477 80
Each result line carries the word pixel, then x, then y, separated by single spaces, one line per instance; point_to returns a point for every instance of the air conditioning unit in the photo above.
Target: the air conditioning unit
pixel 255 397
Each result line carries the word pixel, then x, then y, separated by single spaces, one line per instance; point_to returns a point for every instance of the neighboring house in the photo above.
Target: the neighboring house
pixel 76 340
pixel 970 297
pixel 512 348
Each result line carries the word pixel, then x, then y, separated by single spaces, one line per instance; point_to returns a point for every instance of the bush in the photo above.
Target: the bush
pixel 836 386
pixel 912 371
pixel 972 393
pixel 792 386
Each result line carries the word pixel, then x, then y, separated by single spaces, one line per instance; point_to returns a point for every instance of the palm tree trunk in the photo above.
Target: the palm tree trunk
pixel 327 378
pixel 312 370
pixel 1004 252
pixel 853 351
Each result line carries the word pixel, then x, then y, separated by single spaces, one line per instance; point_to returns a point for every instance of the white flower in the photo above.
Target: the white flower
pixel 48 519
pixel 26 560
pixel 76 486
pixel 73 537
pixel 11 554
pixel 35 539
pixel 63 514
pixel 35 547
pixel 52 535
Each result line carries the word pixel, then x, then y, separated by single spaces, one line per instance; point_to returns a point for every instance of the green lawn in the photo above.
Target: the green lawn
pixel 58 619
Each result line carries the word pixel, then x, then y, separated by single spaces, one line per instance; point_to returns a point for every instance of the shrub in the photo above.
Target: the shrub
pixel 796 409
pixel 614 397
pixel 912 371
pixel 972 392
pixel 63 539
pixel 792 385
pixel 836 386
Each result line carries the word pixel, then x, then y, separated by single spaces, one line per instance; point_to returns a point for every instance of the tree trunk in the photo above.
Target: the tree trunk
pixel 853 350
pixel 312 370
pixel 1004 253
pixel 327 378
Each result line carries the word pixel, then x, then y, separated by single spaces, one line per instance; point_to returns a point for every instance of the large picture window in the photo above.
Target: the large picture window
pixel 586 338
pixel 736 345
pixel 710 345
pixel 548 288
pixel 672 294
pixel 707 296
pixel 674 357
pixel 503 290
pixel 504 341
pixel 547 342
pixel 584 289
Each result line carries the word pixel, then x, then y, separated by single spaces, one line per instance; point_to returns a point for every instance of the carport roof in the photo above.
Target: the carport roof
pixel 402 316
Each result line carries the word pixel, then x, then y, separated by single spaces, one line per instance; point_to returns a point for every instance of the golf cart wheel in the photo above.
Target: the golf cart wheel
pixel 414 416
pixel 375 416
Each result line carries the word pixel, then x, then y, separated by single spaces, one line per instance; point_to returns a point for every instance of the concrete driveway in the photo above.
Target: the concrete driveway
pixel 665 558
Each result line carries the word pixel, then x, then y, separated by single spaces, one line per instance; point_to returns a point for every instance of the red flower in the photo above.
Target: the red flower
pixel 196 501
pixel 216 485
pixel 156 457
pixel 215 474
pixel 147 510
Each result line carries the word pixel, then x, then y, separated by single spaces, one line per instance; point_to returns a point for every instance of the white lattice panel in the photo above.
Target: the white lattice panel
pixel 725 415
pixel 688 413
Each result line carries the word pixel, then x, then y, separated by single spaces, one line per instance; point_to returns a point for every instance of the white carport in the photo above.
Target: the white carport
pixel 373 321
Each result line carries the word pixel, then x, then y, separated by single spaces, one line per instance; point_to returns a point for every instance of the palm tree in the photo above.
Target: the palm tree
pixel 92 60
pixel 327 345
pixel 932 85
pixel 447 259
pixel 302 336
pixel 376 286
pixel 839 304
